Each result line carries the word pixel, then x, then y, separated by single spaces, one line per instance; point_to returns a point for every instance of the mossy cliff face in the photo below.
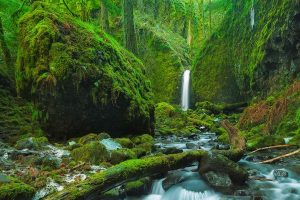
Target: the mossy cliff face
pixel 239 61
pixel 81 80
pixel 165 54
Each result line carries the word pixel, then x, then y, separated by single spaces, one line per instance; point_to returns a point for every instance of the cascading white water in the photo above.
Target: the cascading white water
pixel 185 90
pixel 157 187
pixel 252 15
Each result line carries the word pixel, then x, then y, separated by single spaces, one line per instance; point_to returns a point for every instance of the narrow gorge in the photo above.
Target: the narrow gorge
pixel 149 100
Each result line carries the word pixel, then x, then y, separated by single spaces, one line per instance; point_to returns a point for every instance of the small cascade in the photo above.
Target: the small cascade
pixel 185 90
pixel 252 16
pixel 157 187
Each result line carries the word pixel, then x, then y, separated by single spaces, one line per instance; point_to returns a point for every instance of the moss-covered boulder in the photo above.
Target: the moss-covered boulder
pixel 81 80
pixel 13 189
pixel 32 143
pixel 93 153
pixel 92 137
pixel 120 155
pixel 125 142
pixel 143 139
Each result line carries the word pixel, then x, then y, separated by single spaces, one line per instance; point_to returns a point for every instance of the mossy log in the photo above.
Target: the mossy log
pixel 131 170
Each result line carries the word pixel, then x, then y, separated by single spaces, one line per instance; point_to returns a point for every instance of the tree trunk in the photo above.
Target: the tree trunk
pixel 236 140
pixel 156 9
pixel 104 17
pixel 129 28
pixel 4 47
pixel 131 170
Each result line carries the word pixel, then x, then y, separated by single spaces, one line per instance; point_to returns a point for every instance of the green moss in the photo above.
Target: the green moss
pixel 51 65
pixel 165 54
pixel 93 153
pixel 125 142
pixel 92 137
pixel 172 120
pixel 120 155
pixel 143 139
pixel 32 143
pixel 225 69
pixel 17 118
pixel 15 190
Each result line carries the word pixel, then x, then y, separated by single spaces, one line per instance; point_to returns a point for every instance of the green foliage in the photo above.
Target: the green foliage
pixel 15 189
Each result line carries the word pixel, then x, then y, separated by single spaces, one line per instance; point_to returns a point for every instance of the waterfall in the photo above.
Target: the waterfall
pixel 252 16
pixel 185 90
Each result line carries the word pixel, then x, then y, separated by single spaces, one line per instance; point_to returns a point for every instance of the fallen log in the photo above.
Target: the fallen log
pixel 280 157
pixel 271 147
pixel 130 170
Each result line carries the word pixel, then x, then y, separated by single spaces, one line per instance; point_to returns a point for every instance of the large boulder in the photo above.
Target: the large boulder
pixel 81 80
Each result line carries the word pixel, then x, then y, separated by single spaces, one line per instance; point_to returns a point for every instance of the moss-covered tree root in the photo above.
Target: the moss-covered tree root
pixel 131 170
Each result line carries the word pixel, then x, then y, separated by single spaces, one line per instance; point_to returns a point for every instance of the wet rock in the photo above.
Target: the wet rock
pixel 253 172
pixel 171 150
pixel 279 173
pixel 5 163
pixel 222 147
pixel 48 161
pixel 192 146
pixel 172 179
pixel 50 187
pixel 110 144
pixel 192 136
pixel 220 163
pixel 218 179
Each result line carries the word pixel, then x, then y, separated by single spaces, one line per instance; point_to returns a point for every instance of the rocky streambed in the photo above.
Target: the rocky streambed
pixel 266 181
pixel 42 168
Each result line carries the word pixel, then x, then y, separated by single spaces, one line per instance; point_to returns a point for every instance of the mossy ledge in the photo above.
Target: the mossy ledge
pixel 80 79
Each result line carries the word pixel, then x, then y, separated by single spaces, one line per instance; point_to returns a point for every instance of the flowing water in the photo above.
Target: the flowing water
pixel 185 90
pixel 267 182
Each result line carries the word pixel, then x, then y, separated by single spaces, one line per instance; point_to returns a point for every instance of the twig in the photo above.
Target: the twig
pixel 280 157
pixel 69 9
pixel 271 147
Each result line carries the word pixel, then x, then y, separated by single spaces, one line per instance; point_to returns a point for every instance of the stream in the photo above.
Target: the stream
pixel 267 182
